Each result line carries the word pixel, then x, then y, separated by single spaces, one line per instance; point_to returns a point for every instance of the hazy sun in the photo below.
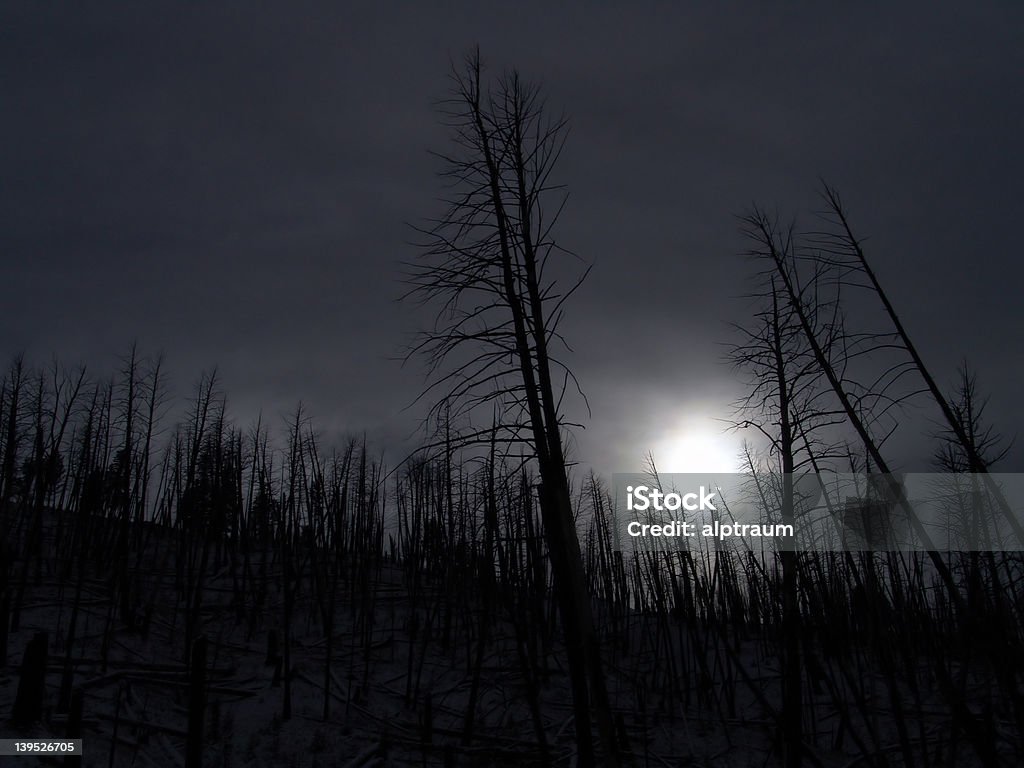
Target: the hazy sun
pixel 697 445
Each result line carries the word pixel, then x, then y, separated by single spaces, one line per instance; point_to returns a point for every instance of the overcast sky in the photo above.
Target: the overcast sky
pixel 230 184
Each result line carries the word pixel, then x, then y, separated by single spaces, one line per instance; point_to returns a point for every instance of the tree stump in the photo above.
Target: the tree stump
pixel 28 704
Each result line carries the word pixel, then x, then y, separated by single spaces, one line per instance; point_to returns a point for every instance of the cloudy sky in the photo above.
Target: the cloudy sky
pixel 231 183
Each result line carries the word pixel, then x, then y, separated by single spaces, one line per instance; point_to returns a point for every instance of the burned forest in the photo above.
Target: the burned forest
pixel 209 567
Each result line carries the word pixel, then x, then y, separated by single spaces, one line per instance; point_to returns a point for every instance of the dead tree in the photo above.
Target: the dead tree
pixel 984 441
pixel 770 352
pixel 12 391
pixel 787 405
pixel 840 247
pixel 487 265
pixel 784 254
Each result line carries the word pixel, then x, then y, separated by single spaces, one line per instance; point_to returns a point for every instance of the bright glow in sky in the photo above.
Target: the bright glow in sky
pixel 697 444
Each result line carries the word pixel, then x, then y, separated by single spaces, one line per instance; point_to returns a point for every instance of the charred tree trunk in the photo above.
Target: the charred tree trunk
pixel 196 704
pixel 511 148
pixel 28 703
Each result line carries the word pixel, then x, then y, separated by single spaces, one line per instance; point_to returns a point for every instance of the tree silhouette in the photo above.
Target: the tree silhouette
pixel 487 265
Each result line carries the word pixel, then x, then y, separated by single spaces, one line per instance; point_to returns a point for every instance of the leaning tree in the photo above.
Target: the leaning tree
pixel 488 266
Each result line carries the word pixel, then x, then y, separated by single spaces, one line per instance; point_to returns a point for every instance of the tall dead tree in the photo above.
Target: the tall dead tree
pixel 771 355
pixel 785 404
pixel 487 264
pixel 841 248
pixel 859 409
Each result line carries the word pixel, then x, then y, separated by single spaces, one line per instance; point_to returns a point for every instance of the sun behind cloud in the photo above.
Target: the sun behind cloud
pixel 698 444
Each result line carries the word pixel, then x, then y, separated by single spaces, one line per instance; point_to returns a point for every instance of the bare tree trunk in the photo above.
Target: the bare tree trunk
pixel 975 461
pixel 196 704
pixel 792 705
pixel 511 152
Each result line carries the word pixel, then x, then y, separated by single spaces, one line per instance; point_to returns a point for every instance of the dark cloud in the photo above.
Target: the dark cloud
pixel 230 184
